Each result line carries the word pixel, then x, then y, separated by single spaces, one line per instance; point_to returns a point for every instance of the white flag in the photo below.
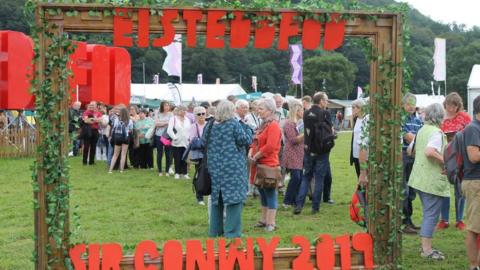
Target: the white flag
pixel 439 60
pixel 359 92
pixel 173 61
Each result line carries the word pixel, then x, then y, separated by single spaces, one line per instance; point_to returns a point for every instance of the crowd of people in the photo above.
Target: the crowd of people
pixel 244 141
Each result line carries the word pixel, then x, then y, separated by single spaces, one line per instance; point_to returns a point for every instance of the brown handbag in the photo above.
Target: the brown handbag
pixel 268 177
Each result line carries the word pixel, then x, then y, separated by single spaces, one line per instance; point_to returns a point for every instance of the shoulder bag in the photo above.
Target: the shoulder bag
pixel 201 180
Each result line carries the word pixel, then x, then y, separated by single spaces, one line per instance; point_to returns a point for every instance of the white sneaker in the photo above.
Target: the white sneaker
pixel 70 154
pixel 177 176
pixel 171 171
pixel 201 203
pixel 160 174
pixel 186 176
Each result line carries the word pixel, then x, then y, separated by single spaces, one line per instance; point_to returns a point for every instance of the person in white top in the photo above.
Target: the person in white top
pixel 252 118
pixel 178 129
pixel 358 114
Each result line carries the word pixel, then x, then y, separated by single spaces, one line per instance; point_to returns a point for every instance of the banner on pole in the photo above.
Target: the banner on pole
pixel 296 63
pixel 359 92
pixel 173 61
pixel 439 60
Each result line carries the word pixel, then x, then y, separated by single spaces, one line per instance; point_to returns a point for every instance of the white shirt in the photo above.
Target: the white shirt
pixel 180 138
pixel 436 141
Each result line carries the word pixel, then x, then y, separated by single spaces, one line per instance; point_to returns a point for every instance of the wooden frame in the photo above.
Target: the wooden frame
pixel 384 33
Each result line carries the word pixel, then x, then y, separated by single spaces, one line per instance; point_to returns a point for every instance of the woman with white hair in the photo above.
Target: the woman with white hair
pixel 265 151
pixel 358 113
pixel 226 140
pixel 196 131
pixel 178 129
pixel 427 178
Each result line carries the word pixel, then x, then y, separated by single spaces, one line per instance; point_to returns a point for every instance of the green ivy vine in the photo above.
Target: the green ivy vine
pixel 55 168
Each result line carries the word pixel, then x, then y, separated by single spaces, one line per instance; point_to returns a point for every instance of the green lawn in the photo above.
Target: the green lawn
pixel 139 205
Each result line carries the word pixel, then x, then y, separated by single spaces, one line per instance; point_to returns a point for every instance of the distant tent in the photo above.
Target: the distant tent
pixel 473 87
pixel 187 92
pixel 425 100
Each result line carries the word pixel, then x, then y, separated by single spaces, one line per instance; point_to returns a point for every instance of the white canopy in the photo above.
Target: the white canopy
pixel 474 80
pixel 426 100
pixel 199 92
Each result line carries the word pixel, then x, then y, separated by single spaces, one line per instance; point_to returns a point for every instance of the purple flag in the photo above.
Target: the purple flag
pixel 296 63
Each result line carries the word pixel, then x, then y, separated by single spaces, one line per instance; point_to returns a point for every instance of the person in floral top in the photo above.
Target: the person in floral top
pixel 456 119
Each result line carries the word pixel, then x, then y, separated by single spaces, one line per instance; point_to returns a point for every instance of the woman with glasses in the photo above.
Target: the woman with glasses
pixel 196 131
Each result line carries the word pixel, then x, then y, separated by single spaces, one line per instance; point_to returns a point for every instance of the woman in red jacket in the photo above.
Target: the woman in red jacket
pixel 264 150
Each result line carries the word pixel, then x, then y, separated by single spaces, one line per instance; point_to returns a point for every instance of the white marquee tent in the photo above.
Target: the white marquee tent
pixel 473 87
pixel 424 100
pixel 186 92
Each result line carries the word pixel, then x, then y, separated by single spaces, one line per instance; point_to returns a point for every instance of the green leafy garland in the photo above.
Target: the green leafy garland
pixel 55 166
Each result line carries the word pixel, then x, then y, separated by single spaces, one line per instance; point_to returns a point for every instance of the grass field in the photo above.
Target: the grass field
pixel 138 205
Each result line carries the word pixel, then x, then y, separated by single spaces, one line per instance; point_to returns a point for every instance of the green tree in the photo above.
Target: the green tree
pixel 460 61
pixel 335 69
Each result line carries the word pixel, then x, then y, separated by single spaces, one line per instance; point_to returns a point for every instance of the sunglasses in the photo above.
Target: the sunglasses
pixel 200 114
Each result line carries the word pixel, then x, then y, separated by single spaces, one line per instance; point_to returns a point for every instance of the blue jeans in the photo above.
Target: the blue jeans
pixel 459 206
pixel 313 165
pixel 109 152
pixel 268 197
pixel 293 186
pixel 431 206
pixel 160 150
pixel 231 227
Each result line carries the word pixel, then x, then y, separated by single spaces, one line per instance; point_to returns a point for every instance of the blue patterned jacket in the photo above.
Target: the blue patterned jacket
pixel 227 162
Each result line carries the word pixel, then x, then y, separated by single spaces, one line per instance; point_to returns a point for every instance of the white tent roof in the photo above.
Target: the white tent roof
pixel 201 92
pixel 474 81
pixel 426 100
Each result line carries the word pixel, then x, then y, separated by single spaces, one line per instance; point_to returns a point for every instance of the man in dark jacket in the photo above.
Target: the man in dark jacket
pixel 319 140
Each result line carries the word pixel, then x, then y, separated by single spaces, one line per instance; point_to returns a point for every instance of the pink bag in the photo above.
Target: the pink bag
pixel 165 141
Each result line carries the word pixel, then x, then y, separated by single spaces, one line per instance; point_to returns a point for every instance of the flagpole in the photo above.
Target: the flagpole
pixel 301 82
pixel 143 100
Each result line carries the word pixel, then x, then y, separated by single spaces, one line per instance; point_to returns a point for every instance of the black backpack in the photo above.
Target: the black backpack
pixel 323 138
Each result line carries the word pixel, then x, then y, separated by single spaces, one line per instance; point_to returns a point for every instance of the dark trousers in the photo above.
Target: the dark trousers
pixel 356 163
pixel 293 186
pixel 133 155
pixel 89 148
pixel 180 164
pixel 409 192
pixel 197 195
pixel 327 185
pixel 145 156
pixel 313 166
pixel 161 148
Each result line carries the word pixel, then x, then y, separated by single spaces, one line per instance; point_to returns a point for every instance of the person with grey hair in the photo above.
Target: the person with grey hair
pixel 196 132
pixel 241 109
pixel 427 177
pixel 74 117
pixel 409 129
pixel 252 118
pixel 265 151
pixel 360 120
pixel 225 140
pixel 178 129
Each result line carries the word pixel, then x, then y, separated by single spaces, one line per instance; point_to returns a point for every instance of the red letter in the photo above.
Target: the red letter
pixel 267 251
pixel 363 242
pixel 245 262
pixel 94 257
pixel 99 82
pixel 215 29
pixel 264 34
pixel 122 25
pixel 334 33
pixel 191 17
pixel 239 31
pixel 288 28
pixel 172 255
pixel 168 29
pixel 345 256
pixel 195 255
pixel 325 252
pixel 111 256
pixel 302 262
pixel 143 28
pixel 311 34
pixel 76 254
pixel 120 75
pixel 145 247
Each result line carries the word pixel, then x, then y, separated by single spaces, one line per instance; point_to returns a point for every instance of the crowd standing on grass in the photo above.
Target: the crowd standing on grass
pixel 272 146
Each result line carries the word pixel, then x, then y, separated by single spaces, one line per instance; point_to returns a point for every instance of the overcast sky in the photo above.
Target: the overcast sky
pixel 448 11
